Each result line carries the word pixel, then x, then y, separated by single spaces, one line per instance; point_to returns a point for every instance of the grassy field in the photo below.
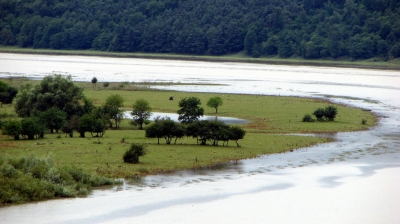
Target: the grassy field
pixel 239 57
pixel 269 117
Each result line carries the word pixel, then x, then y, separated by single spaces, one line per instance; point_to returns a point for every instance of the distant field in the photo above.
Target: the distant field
pixel 270 117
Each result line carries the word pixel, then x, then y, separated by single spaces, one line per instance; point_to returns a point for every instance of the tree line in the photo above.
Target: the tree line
pixel 357 29
pixel 56 103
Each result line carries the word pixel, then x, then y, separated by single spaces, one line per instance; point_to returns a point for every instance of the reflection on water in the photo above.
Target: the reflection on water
pixel 327 183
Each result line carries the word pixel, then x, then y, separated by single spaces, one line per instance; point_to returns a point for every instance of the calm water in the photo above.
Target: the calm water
pixel 353 180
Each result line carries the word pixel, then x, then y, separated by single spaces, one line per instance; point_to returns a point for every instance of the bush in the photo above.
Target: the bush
pixel 12 128
pixel 319 114
pixel 330 113
pixel 133 153
pixel 364 121
pixel 106 84
pixel 308 118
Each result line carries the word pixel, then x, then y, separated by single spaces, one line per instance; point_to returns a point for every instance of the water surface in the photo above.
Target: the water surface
pixel 353 180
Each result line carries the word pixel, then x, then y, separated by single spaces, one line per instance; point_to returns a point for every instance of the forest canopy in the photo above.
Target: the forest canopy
pixel 357 29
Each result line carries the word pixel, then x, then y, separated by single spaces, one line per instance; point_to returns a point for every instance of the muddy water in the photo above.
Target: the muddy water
pixel 353 180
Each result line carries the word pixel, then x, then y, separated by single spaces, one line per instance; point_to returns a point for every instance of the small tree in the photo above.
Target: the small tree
pixel 190 110
pixel 141 112
pixel 215 102
pixel 53 119
pixel 236 133
pixel 94 81
pixel 85 124
pixel 134 152
pixel 31 127
pixel 12 128
pixel 319 114
pixel 330 113
pixel 113 106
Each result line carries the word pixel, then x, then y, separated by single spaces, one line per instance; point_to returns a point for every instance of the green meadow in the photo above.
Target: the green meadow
pixel 271 119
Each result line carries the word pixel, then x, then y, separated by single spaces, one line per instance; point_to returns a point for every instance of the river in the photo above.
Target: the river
pixel 353 180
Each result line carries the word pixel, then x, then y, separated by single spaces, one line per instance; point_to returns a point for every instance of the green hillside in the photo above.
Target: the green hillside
pixel 311 29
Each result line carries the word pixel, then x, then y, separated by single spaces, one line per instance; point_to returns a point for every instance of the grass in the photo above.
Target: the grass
pixel 270 117
pixel 238 57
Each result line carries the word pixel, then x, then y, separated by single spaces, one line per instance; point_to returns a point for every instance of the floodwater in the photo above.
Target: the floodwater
pixel 174 117
pixel 353 180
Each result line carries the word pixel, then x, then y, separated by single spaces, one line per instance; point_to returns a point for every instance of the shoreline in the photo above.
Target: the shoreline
pixel 219 59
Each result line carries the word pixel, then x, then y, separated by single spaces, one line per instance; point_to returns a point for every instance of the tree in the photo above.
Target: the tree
pixel 85 124
pixel 141 112
pixel 31 127
pixel 7 93
pixel 319 113
pixel 236 133
pixel 53 91
pixel 134 152
pixel 113 106
pixel 53 119
pixel 190 110
pixel 12 128
pixel 215 102
pixel 94 81
pixel 167 129
pixel 330 113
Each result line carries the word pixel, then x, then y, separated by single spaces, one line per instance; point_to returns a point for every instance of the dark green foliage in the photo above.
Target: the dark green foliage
pixel 32 179
pixel 53 119
pixel 307 118
pixel 319 113
pixel 12 128
pixel 134 152
pixel 7 93
pixel 190 110
pixel 52 91
pixel 31 127
pixel 94 81
pixel 106 84
pixel 330 113
pixel 302 28
pixel 167 129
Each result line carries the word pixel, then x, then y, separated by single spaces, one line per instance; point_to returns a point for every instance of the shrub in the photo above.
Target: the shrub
pixel 319 114
pixel 106 84
pixel 12 128
pixel 133 153
pixel 330 113
pixel 364 121
pixel 308 118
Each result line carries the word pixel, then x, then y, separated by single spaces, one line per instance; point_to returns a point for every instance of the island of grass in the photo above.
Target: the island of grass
pixel 271 118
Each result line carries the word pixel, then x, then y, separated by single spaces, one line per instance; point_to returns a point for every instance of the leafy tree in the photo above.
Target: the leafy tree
pixel 236 133
pixel 199 130
pixel 167 129
pixel 319 113
pixel 85 124
pixel 53 119
pixel 113 107
pixel 215 102
pixel 141 112
pixel 31 127
pixel 52 91
pixel 12 128
pixel 134 152
pixel 7 93
pixel 330 113
pixel 190 110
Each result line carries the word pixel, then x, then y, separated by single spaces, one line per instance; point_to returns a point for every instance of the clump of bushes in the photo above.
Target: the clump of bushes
pixel 134 152
pixel 31 178
pixel 308 118
pixel 106 84
pixel 322 114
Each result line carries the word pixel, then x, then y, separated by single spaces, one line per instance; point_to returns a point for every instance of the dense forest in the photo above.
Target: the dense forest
pixel 328 29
